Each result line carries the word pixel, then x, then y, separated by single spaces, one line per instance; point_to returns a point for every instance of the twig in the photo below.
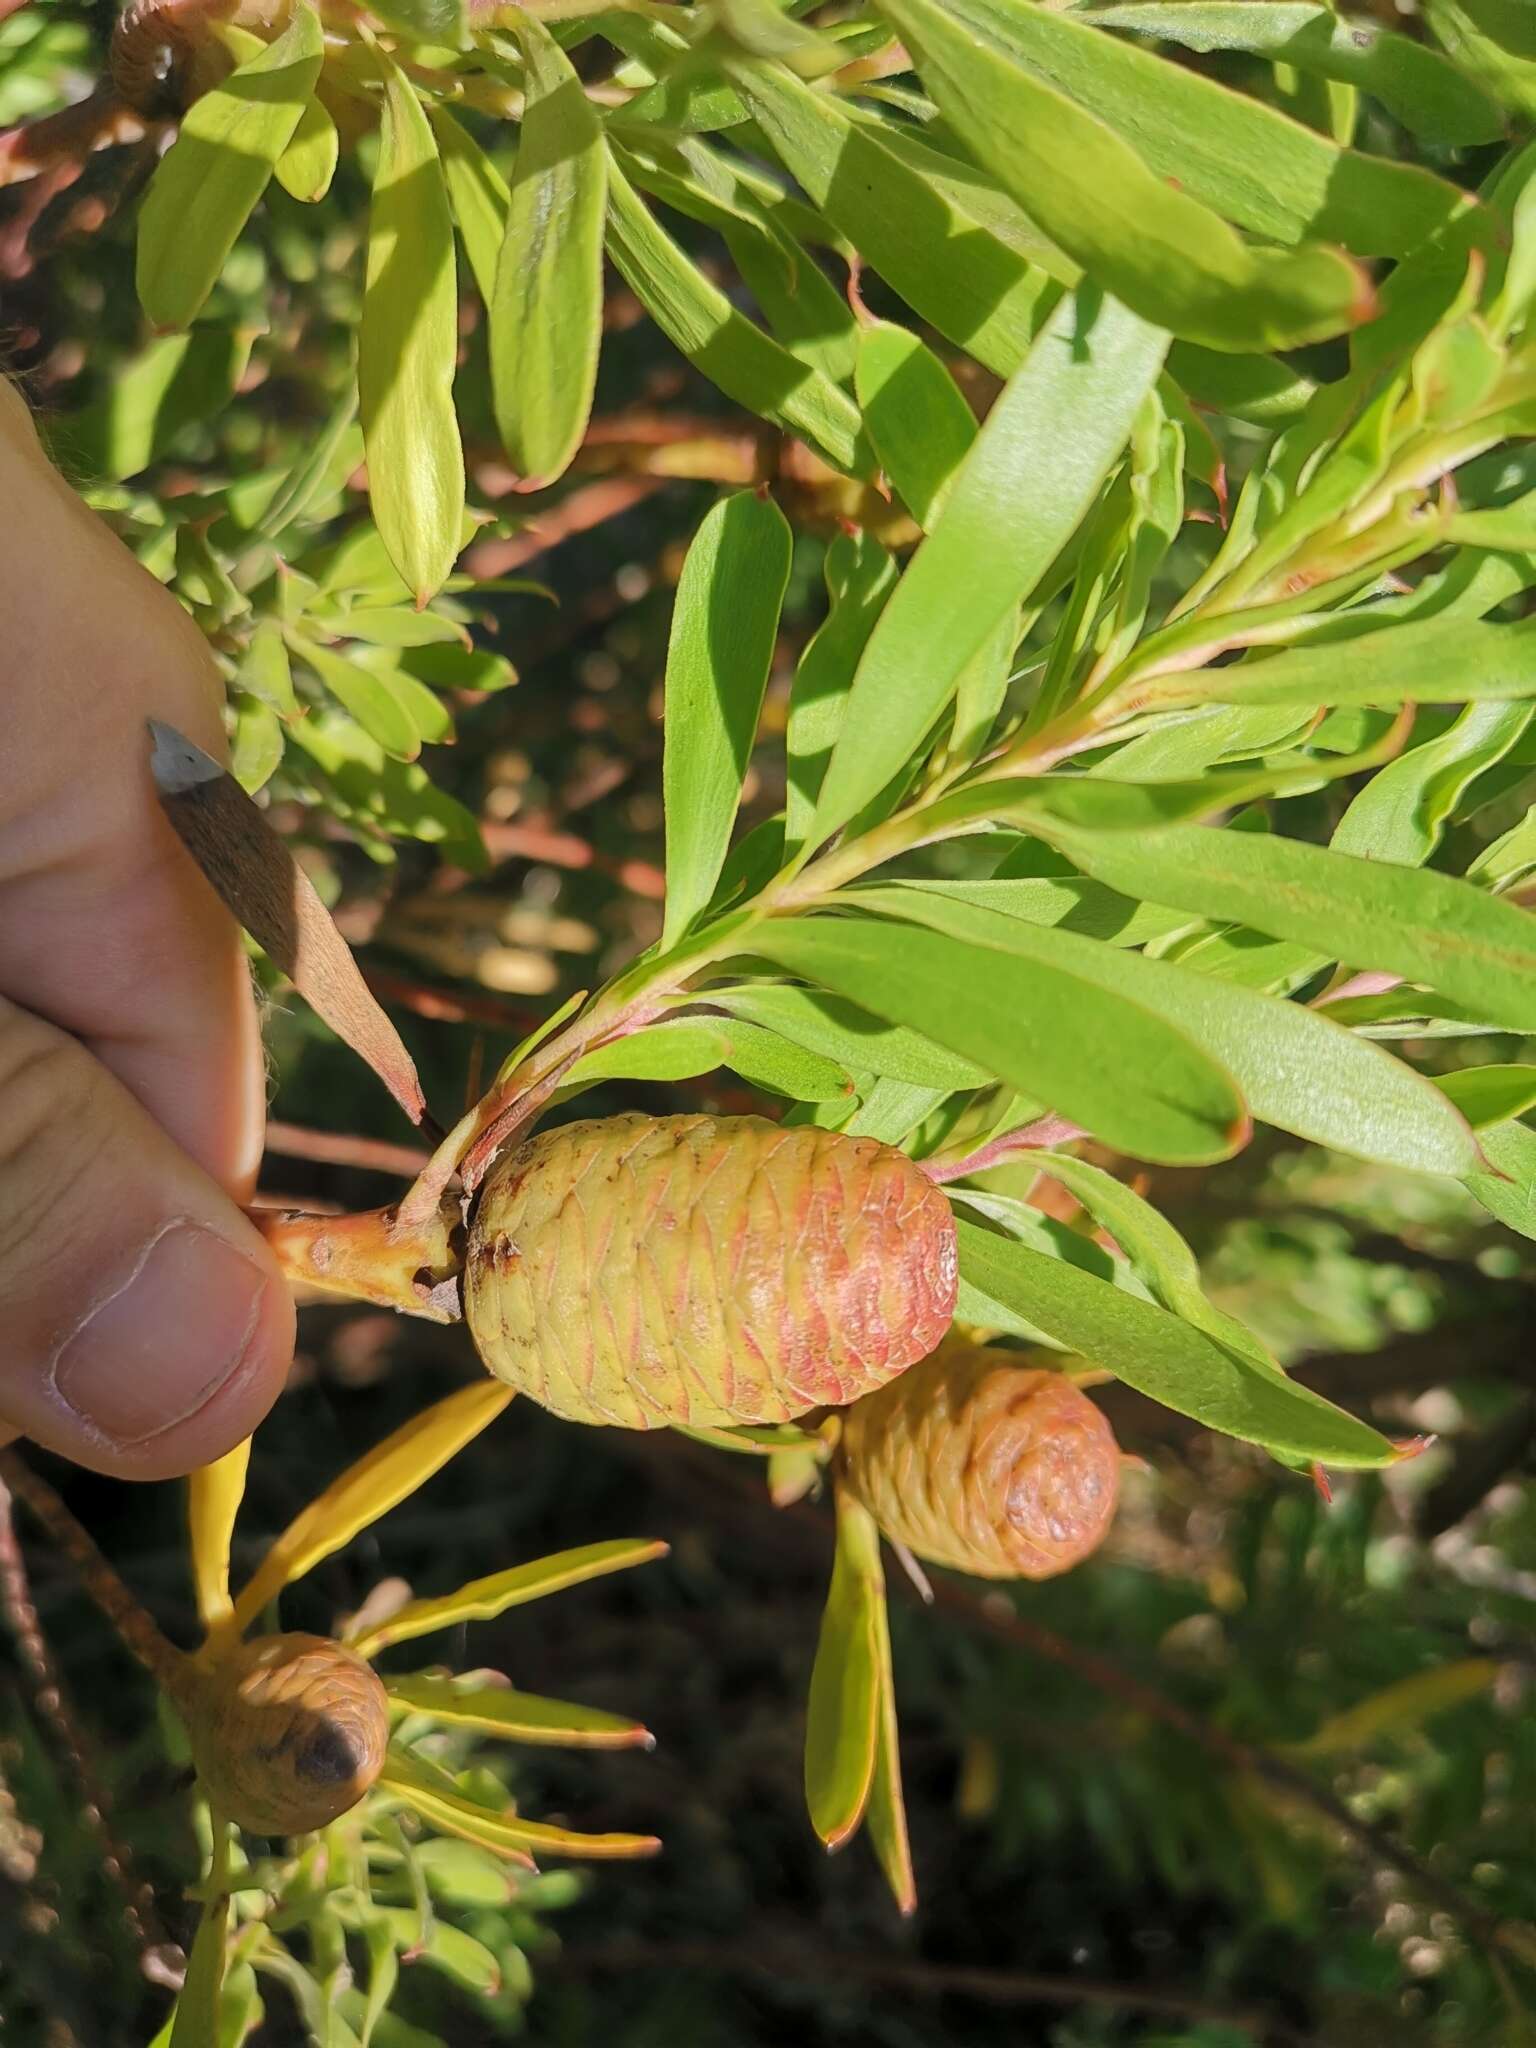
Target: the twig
pixel 935 1980
pixel 160 1959
pixel 334 1148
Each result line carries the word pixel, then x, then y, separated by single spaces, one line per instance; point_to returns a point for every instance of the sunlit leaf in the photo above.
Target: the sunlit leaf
pixel 516 1716
pixel 860 576
pixel 211 177
pixel 724 624
pixel 913 412
pixel 411 1779
pixel 478 194
pixel 214 1493
pixel 306 167
pixel 407 349
pixel 546 309
pixel 484 1599
pixel 176 382
pixel 371 1487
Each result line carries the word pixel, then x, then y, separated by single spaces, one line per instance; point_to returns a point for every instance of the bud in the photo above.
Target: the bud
pixel 287 1732
pixel 705 1270
pixel 976 1460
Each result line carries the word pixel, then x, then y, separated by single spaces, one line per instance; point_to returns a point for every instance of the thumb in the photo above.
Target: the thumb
pixel 147 1328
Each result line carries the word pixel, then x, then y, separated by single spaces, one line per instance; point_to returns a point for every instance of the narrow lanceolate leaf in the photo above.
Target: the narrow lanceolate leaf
pixel 887 1810
pixel 1405 807
pixel 860 576
pixel 211 177
pixel 1242 158
pixel 844 1032
pixel 1400 1709
pixel 1491 1094
pixel 196 2020
pixel 1162 1356
pixel 478 194
pixel 924 221
pixel 306 167
pixel 1018 498
pixel 1427 927
pixel 1172 259
pixel 914 414
pixel 1111 1066
pixel 382 711
pixel 1425 92
pixel 407 348
pixel 370 1488
pixel 1296 1067
pixel 546 312
pixel 214 1493
pixel 484 1599
pixel 1506 1187
pixel 842 1717
pixel 724 345
pixel 1432 661
pixel 724 624
pixel 432 1793
pixel 516 1716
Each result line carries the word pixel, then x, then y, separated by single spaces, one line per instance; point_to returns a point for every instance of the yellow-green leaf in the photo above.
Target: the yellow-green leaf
pixel 196 2022
pixel 306 167
pixel 887 1808
pixel 484 1599
pixel 1397 1708
pixel 546 313
pixel 842 1723
pixel 516 1716
pixel 478 195
pixel 213 174
pixel 432 1794
pixel 370 1488
pixel 214 1493
pixel 407 348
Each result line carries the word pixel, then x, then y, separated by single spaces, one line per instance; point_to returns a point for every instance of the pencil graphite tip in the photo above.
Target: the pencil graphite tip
pixel 176 762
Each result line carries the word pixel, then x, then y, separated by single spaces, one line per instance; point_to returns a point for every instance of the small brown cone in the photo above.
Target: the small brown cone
pixel 977 1460
pixel 705 1270
pixel 287 1732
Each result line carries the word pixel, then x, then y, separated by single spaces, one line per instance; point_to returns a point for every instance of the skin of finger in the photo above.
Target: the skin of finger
pixel 84 1196
pixel 106 927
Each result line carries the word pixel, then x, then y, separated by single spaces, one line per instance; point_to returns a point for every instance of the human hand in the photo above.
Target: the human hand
pixel 144 1327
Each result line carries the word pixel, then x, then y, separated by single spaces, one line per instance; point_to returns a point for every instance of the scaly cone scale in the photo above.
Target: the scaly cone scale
pixel 979 1461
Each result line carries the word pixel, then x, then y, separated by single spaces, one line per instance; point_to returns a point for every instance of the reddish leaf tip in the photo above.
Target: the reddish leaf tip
pixel 1324 1487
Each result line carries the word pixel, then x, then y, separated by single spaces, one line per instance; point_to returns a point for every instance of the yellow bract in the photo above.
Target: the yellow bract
pixel 482 1599
pixel 370 1488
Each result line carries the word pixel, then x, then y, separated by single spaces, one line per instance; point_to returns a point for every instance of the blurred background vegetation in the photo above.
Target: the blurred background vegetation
pixel 1262 1772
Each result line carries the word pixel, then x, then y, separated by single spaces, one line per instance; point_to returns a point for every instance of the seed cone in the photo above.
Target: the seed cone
pixel 706 1270
pixel 288 1732
pixel 980 1462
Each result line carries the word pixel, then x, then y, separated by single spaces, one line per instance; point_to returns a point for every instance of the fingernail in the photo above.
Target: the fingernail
pixel 168 1336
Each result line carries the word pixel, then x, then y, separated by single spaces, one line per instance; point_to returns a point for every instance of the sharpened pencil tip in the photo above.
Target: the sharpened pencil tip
pixel 176 763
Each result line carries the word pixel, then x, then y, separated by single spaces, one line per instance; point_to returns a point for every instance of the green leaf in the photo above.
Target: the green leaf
pixel 1296 1067
pixel 1491 1094
pixel 439 22
pixel 1155 1250
pixel 195 2023
pixel 686 1046
pixel 265 673
pixel 1167 256
pixel 1166 1358
pixel 307 166
pixel 386 797
pixel 461 1959
pixel 366 695
pixel 1506 1187
pixel 391 626
pixel 407 349
pixel 921 427
pixel 917 217
pixel 843 1032
pixel 478 194
pixel 178 380
pixel 842 1716
pixel 516 1716
pixel 724 624
pixel 1240 157
pixel 1064 417
pixel 887 1812
pixel 484 1599
pixel 1424 926
pixel 1430 97
pixel 209 180
pixel 860 577
pixel 257 752
pixel 723 344
pixel 782 1067
pixel 421 1786
pixel 1109 1064
pixel 546 311
pixel 461 1874
pixel 1403 810
pixel 1430 661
